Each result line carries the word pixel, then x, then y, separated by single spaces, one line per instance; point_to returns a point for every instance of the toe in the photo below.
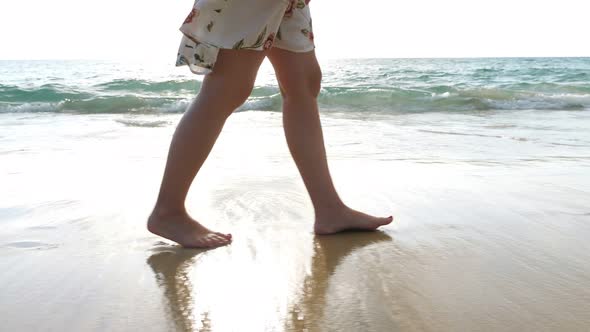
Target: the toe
pixel 225 236
pixel 219 240
pixel 205 241
pixel 387 220
pixel 212 240
pixel 199 242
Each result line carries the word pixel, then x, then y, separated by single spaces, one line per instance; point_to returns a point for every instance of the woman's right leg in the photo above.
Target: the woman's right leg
pixel 222 91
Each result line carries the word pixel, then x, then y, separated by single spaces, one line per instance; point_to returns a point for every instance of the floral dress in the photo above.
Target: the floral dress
pixel 242 24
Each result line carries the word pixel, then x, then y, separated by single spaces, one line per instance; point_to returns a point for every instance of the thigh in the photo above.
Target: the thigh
pixel 240 65
pixel 233 78
pixel 298 73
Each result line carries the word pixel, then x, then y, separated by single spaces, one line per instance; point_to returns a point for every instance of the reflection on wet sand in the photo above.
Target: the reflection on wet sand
pixel 329 252
pixel 172 267
pixel 500 274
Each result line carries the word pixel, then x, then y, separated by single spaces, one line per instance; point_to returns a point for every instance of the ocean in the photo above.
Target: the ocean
pixel 377 86
pixel 484 163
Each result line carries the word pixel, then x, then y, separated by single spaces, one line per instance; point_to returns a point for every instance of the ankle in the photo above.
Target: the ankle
pixel 162 210
pixel 329 208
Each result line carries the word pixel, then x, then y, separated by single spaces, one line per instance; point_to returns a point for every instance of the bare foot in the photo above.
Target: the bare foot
pixel 186 231
pixel 342 219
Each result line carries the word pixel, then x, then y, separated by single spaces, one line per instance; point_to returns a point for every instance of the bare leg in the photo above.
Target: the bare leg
pixel 299 77
pixel 222 91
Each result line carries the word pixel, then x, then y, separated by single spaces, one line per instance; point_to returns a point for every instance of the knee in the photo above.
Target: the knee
pixel 302 84
pixel 226 93
pixel 315 81
pixel 238 94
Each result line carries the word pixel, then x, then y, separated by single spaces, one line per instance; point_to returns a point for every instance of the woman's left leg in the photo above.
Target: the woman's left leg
pixel 299 77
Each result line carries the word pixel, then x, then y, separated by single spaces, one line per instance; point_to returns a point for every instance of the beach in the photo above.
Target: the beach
pixel 487 179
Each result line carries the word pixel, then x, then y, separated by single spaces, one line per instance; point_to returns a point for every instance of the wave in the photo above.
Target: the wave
pixel 174 96
pixel 146 86
pixel 100 105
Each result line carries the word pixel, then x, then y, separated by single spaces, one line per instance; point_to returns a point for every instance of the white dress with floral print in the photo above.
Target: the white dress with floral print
pixel 242 24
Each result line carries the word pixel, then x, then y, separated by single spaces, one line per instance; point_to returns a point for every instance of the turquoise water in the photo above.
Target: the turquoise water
pixel 362 85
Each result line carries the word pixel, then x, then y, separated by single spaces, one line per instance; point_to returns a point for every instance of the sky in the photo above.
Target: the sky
pixel 148 30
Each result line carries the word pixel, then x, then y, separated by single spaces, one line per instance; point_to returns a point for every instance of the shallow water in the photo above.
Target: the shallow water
pixel 491 220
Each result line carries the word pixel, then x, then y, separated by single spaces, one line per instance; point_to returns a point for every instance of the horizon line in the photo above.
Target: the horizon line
pixel 319 57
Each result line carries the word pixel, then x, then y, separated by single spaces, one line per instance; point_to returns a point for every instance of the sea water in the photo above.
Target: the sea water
pixel 375 86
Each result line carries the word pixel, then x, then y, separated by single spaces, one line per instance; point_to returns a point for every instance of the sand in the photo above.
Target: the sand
pixel 473 247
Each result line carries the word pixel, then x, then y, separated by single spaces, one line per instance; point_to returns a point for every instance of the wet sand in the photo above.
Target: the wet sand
pixel 473 247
